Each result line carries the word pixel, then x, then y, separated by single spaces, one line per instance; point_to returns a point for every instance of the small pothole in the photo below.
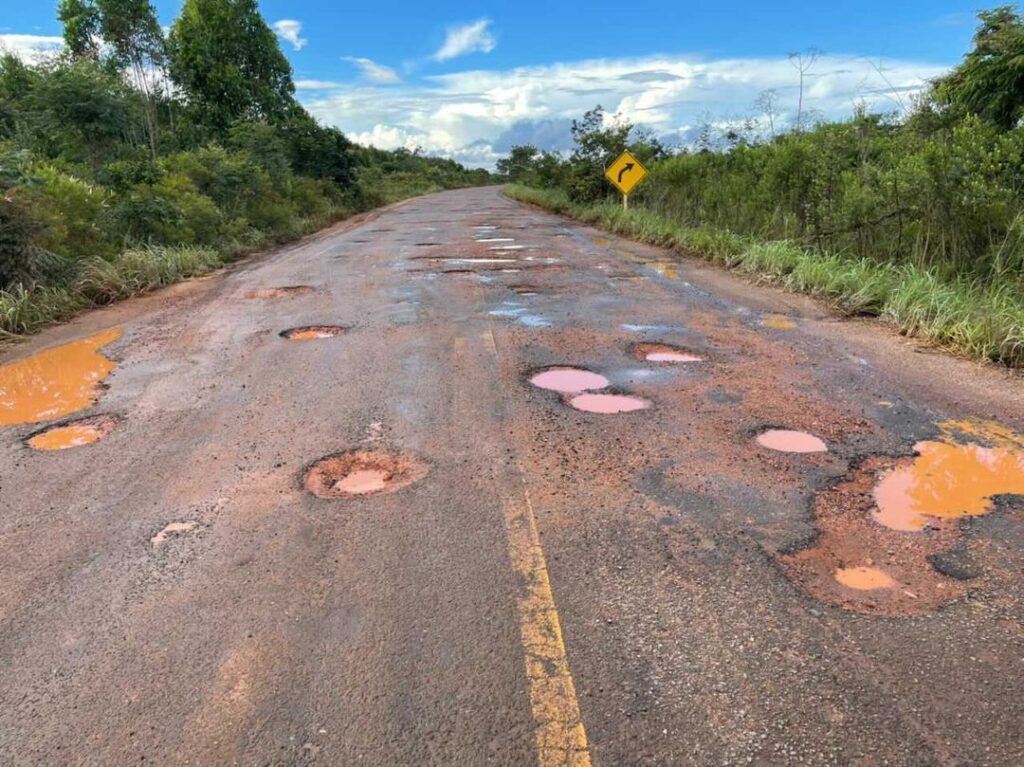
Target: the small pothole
pixel 566 380
pixel 362 472
pixel 312 332
pixel 281 292
pixel 788 441
pixel 608 404
pixel 83 431
pixel 664 353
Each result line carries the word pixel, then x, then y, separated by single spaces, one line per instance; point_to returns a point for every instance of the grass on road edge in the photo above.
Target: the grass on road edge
pixel 966 316
pixel 100 281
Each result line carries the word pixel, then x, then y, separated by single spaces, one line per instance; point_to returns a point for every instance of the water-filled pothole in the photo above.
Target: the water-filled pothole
pixel 778 322
pixel 788 441
pixel 282 292
pixel 84 431
pixel 312 332
pixel 173 530
pixel 664 353
pixel 55 382
pixel 947 481
pixel 362 472
pixel 568 380
pixel 864 578
pixel 607 404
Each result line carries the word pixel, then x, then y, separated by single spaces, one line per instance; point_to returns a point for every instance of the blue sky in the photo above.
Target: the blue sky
pixel 466 80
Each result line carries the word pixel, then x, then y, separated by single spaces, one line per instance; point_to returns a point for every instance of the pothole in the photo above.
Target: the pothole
pixel 55 382
pixel 607 404
pixel 894 552
pixel 281 292
pixel 664 353
pixel 568 380
pixel 84 431
pixel 946 481
pixel 789 441
pixel 525 290
pixel 362 472
pixel 312 332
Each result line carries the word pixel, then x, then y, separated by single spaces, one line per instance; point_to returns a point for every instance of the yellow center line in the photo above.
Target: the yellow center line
pixel 559 734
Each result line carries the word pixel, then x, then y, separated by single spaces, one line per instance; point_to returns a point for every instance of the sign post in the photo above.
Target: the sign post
pixel 625 173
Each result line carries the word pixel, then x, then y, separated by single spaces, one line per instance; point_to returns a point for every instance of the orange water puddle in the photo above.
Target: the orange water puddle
pixel 55 382
pixel 312 332
pixel 607 404
pixel 787 441
pixel 864 578
pixel 947 481
pixel 64 437
pixel 568 380
pixel 778 322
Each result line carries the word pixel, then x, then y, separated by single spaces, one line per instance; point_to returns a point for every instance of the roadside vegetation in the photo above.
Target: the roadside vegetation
pixel 916 217
pixel 135 159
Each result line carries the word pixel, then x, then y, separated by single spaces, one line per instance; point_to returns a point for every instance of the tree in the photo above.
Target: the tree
pixel 802 63
pixel 520 165
pixel 990 81
pixel 766 102
pixel 131 29
pixel 227 62
pixel 81 20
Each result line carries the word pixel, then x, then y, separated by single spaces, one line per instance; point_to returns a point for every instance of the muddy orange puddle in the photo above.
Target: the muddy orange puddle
pixel 55 382
pixel 568 380
pixel 787 441
pixel 778 322
pixel 864 578
pixel 312 332
pixel 84 431
pixel 947 481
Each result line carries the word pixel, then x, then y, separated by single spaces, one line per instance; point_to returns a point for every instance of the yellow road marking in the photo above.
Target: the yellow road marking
pixel 560 736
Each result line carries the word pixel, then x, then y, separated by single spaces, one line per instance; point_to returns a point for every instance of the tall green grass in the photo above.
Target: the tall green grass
pixel 974 318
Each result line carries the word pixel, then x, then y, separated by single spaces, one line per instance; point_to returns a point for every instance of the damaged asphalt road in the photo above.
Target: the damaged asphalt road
pixel 462 482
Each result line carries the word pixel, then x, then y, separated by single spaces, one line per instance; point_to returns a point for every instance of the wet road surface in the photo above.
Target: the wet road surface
pixel 513 492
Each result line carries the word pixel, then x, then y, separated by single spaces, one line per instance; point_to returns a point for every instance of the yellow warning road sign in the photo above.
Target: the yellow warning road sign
pixel 626 172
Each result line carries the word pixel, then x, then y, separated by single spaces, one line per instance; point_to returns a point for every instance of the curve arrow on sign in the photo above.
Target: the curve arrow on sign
pixel 625 169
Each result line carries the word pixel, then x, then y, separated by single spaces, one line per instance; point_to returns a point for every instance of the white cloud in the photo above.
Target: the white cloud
pixel 317 85
pixel 30 48
pixel 374 72
pixel 466 38
pixel 290 31
pixel 472 115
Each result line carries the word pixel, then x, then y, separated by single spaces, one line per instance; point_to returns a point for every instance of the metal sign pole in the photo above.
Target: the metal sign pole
pixel 625 202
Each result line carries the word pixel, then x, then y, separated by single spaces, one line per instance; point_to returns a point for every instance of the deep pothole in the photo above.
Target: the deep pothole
pixel 312 332
pixel 362 472
pixel 284 291
pixel 77 433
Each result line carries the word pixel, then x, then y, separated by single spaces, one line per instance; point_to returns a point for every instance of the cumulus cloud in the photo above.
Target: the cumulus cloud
pixel 30 48
pixel 374 72
pixel 476 115
pixel 290 31
pixel 461 39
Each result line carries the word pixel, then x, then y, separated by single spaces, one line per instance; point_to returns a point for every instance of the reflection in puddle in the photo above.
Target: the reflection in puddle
pixel 947 481
pixel 778 322
pixel 608 403
pixel 55 382
pixel 568 380
pixel 663 353
pixel 864 578
pixel 84 431
pixel 480 260
pixel 787 441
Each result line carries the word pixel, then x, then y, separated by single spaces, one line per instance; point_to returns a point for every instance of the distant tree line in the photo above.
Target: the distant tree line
pixel 132 138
